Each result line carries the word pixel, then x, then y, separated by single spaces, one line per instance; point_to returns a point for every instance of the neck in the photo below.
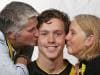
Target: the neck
pixel 51 66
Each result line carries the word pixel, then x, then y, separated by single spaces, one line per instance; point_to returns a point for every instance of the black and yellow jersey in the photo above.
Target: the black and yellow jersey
pixel 34 69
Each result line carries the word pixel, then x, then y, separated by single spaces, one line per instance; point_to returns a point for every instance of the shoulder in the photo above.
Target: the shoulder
pixel 93 66
pixel 2 38
pixel 31 64
pixel 94 62
pixel 32 68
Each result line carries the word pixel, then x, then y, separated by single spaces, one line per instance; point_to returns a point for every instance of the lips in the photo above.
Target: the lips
pixel 35 39
pixel 68 44
pixel 51 48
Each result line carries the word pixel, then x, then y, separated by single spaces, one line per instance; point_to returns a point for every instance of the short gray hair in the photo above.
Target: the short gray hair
pixel 18 13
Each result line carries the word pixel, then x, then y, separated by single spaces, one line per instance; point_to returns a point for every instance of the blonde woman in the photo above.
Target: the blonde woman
pixel 83 41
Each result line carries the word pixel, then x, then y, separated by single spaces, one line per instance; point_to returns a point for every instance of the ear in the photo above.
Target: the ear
pixel 89 40
pixel 10 35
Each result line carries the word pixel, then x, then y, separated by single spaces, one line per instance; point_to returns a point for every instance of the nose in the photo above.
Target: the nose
pixel 68 37
pixel 51 38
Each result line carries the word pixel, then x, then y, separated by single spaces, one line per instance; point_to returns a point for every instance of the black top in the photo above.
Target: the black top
pixel 35 70
pixel 93 66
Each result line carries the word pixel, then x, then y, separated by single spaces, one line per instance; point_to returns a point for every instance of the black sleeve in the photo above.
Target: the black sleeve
pixel 25 52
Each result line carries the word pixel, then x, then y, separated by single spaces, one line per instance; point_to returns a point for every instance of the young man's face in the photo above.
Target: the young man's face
pixel 28 35
pixel 51 39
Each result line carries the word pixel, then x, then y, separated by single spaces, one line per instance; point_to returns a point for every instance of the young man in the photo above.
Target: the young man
pixel 53 26
pixel 18 31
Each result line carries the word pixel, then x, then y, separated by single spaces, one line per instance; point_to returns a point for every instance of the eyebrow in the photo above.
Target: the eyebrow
pixel 55 31
pixel 48 30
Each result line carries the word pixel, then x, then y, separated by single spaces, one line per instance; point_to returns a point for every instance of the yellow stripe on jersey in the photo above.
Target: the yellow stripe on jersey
pixel 10 49
pixel 81 70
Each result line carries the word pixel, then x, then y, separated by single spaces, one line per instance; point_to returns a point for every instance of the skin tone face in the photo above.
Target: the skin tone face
pixel 29 34
pixel 51 39
pixel 76 39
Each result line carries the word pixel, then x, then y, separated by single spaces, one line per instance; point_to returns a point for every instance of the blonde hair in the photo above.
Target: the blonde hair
pixel 91 26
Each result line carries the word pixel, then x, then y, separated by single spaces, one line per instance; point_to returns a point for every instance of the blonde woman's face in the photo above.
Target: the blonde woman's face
pixel 76 39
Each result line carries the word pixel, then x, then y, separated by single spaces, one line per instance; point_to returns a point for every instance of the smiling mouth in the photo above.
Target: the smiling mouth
pixel 52 47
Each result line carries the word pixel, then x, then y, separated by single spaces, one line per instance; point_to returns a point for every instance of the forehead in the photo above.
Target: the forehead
pixel 32 22
pixel 74 25
pixel 53 24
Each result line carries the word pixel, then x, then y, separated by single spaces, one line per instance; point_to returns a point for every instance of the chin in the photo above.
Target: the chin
pixel 70 52
pixel 35 43
pixel 52 57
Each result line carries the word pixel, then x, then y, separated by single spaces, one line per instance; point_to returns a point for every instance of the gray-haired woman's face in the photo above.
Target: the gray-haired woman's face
pixel 29 34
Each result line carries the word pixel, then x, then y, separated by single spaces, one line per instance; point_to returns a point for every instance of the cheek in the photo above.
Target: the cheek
pixel 28 36
pixel 78 45
pixel 77 41
pixel 41 41
pixel 60 40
